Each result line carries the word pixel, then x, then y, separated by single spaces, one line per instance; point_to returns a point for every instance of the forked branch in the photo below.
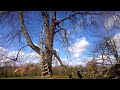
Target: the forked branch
pixel 24 30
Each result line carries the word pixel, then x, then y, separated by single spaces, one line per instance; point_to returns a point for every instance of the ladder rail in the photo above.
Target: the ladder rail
pixel 42 55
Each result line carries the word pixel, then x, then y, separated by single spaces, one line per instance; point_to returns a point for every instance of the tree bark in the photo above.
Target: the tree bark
pixel 49 31
pixel 48 53
pixel 48 49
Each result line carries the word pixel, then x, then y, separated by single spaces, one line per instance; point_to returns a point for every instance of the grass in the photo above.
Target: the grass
pixel 37 77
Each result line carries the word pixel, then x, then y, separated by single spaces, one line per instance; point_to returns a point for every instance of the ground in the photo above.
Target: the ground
pixel 37 77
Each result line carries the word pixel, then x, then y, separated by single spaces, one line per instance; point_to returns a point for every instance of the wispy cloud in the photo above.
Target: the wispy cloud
pixel 78 47
pixel 73 62
pixel 117 40
pixel 111 21
pixel 2 50
pixel 23 56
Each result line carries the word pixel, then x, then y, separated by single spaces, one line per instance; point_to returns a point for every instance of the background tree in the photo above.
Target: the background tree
pixel 108 45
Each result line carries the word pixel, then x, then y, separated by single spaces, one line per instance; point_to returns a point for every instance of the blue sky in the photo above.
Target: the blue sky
pixel 81 39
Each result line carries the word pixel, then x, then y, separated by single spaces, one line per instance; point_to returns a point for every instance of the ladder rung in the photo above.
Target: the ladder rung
pixel 45 64
pixel 45 72
pixel 44 68
pixel 44 61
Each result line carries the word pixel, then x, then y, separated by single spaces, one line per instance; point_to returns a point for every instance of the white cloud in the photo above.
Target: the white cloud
pixel 23 57
pixel 117 40
pixel 78 47
pixel 12 53
pixel 29 57
pixel 106 59
pixel 77 62
pixel 73 62
pixel 2 50
pixel 33 55
pixel 111 21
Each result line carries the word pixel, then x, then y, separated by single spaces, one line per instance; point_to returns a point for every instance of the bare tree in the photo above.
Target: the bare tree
pixel 51 24
pixel 107 49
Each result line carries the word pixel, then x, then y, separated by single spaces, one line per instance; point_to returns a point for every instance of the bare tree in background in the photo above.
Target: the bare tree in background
pixel 52 25
pixel 108 48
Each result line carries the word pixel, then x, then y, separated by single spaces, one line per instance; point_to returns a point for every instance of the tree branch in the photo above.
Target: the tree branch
pixel 14 59
pixel 59 29
pixel 27 37
pixel 46 19
pixel 19 52
pixel 69 17
pixel 58 59
pixel 85 13
pixel 54 17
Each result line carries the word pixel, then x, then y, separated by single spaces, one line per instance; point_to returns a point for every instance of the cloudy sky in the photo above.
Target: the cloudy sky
pixel 81 41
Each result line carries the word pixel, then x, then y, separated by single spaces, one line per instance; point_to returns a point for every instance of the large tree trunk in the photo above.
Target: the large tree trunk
pixel 49 47
pixel 49 30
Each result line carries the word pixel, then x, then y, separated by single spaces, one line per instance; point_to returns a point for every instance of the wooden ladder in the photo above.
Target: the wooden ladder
pixel 45 70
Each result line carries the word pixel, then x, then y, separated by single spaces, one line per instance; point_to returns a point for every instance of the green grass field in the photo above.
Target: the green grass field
pixel 37 77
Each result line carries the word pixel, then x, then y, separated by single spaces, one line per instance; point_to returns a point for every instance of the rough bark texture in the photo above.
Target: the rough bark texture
pixel 48 50
pixel 49 37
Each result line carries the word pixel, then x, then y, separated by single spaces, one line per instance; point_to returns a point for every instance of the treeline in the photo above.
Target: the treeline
pixel 92 70
pixel 9 71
